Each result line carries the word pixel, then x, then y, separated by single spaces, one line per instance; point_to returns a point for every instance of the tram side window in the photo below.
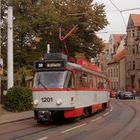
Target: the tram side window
pixel 77 79
pixel 100 84
pixel 69 80
pixel 94 82
pixel 106 84
pixel 70 83
pixel 81 80
pixel 84 80
pixel 90 81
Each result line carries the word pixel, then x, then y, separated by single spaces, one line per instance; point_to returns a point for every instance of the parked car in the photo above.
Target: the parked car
pixel 119 93
pixel 126 95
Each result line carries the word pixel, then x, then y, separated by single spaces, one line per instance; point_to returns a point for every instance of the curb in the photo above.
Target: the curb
pixel 16 120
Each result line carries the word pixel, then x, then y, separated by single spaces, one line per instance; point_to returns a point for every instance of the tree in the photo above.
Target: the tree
pixel 43 18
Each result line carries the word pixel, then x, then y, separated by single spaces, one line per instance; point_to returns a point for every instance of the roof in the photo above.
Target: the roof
pixel 88 65
pixel 117 39
pixel 136 19
pixel 116 58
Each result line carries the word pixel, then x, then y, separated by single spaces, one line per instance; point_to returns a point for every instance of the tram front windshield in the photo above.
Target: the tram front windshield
pixel 50 79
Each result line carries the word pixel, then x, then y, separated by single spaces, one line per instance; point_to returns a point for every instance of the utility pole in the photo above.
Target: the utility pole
pixel 10 48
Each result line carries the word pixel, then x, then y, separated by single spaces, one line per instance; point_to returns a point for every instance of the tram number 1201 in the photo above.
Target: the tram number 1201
pixel 47 99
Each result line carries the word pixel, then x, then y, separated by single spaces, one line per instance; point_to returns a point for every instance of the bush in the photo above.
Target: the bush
pixel 18 99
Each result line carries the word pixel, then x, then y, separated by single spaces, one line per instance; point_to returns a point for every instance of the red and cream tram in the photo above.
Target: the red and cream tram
pixel 67 88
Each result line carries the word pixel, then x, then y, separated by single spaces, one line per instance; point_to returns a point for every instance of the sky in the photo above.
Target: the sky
pixel 117 20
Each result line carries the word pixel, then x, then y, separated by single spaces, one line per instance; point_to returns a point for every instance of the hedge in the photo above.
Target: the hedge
pixel 18 99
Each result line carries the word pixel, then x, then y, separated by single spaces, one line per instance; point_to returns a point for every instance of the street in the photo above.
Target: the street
pixel 119 122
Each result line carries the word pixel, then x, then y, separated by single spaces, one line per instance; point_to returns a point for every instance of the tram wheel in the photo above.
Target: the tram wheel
pixel 104 106
pixel 87 111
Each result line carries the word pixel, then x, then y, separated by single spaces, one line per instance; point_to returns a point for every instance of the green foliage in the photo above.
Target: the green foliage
pixel 18 99
pixel 43 18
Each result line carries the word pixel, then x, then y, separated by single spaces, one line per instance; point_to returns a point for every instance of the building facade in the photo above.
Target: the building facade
pixel 116 71
pixel 133 53
pixel 116 62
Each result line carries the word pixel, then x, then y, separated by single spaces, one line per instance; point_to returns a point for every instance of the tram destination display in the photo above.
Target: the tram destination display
pixel 49 65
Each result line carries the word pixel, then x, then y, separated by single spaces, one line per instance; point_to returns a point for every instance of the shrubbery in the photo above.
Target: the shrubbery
pixel 18 99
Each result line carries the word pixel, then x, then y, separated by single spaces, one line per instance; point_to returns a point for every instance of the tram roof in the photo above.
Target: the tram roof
pixel 85 69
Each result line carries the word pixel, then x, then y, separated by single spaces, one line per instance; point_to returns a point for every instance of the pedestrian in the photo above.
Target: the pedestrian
pixel 134 93
pixel 139 95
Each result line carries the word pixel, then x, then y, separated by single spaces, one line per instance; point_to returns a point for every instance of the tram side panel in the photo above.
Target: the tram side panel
pixel 83 99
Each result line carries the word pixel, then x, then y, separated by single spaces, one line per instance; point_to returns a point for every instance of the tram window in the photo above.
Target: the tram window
pixel 50 79
pixel 78 79
pixel 84 83
pixel 69 81
pixel 100 84
pixel 94 81
pixel 84 80
pixel 81 80
pixel 90 83
pixel 105 84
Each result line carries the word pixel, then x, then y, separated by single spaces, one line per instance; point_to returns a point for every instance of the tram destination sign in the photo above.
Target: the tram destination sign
pixel 50 65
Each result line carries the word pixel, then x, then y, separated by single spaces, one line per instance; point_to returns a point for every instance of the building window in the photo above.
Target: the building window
pixel 133 65
pixel 133 49
pixel 130 65
pixel 138 63
pixel 117 73
pixel 117 85
pixel 128 33
pixel 129 49
pixel 138 48
pixel 133 33
pixel 111 85
pixel 137 33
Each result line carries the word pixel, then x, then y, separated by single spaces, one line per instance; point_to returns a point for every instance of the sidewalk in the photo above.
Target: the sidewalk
pixel 7 117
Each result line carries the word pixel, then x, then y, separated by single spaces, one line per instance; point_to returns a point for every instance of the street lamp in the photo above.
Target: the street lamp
pixel 10 48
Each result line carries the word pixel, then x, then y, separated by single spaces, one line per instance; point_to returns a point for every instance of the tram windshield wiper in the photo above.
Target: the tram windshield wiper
pixel 44 86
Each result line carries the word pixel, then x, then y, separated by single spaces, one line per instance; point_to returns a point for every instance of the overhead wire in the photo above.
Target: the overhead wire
pixel 124 10
pixel 120 11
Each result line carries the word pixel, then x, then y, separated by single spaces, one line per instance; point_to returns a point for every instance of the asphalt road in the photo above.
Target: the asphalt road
pixel 120 122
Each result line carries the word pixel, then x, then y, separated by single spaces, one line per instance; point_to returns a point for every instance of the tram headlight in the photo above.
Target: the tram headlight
pixel 35 102
pixel 58 102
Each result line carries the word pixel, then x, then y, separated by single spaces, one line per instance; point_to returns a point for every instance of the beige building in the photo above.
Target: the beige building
pixel 116 71
pixel 116 63
pixel 133 53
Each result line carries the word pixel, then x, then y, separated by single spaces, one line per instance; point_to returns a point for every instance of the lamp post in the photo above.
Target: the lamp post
pixel 10 48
